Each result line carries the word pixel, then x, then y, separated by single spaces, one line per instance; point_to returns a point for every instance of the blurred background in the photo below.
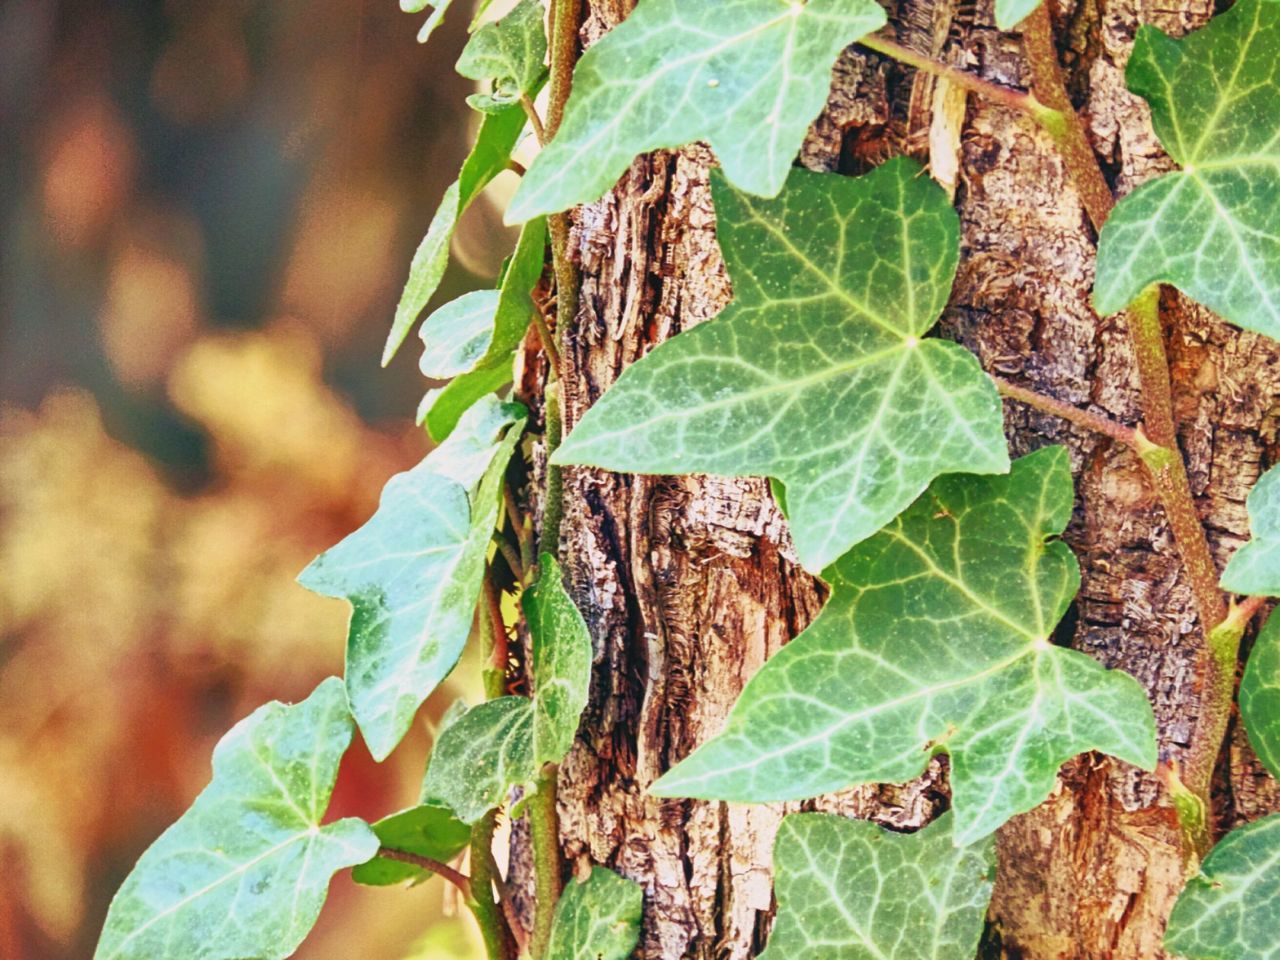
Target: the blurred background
pixel 207 210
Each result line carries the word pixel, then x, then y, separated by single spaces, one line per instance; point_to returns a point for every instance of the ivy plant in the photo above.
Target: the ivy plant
pixel 937 638
pixel 1211 228
pixel 853 411
pixel 948 577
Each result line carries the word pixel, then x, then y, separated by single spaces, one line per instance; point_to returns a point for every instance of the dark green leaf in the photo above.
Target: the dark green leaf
pixel 442 407
pixel 429 830
pixel 246 869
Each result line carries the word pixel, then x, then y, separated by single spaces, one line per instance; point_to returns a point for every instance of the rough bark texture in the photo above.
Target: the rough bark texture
pixel 689 584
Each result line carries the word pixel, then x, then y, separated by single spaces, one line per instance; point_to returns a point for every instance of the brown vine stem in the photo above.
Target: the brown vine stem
pixel 996 92
pixel 459 880
pixel 1161 454
pixel 1083 418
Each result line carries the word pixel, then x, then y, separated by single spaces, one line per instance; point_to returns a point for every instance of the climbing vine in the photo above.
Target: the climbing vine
pixel 885 449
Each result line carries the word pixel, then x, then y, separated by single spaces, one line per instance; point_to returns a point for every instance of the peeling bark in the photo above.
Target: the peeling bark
pixel 690 583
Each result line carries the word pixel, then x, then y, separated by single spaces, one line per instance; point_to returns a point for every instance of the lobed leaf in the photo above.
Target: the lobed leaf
pixel 749 76
pixel 1212 229
pixel 597 919
pixel 503 743
pixel 413 572
pixel 936 638
pixel 508 53
pixel 851 890
pixel 1254 569
pixel 490 155
pixel 1231 910
pixel 817 374
pixel 429 830
pixel 1260 696
pixel 245 871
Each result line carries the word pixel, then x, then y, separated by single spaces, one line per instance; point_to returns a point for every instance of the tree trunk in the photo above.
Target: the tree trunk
pixel 690 583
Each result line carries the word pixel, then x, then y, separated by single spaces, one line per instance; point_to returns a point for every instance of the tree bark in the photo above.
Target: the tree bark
pixel 690 583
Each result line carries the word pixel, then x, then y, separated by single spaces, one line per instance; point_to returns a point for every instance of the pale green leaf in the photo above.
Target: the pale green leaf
pixel 1254 569
pixel 504 743
pixel 457 335
pixel 598 919
pixel 937 638
pixel 817 374
pixel 497 137
pixel 850 890
pixel 561 662
pixel 1212 229
pixel 1010 13
pixel 244 872
pixel 748 76
pixel 413 572
pixel 1231 911
pixel 433 21
pixel 508 53
pixel 442 407
pixel 483 754
pixel 1260 696
pixel 429 830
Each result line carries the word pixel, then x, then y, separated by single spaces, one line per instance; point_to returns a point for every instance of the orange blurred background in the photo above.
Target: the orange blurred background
pixel 207 210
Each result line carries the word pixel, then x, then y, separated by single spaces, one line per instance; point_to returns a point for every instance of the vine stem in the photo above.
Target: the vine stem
pixel 459 880
pixel 1060 119
pixel 1083 418
pixel 499 941
pixel 1010 97
pixel 544 829
pixel 1161 452
pixel 566 21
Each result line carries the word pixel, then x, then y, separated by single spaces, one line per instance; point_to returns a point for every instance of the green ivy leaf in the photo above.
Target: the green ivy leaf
pixel 498 135
pixel 850 890
pixel 937 638
pixel 1231 911
pixel 503 743
pixel 413 572
pixel 509 53
pixel 442 407
pixel 561 662
pixel 1254 569
pixel 1010 13
pixel 1260 696
pixel 598 919
pixel 816 375
pixel 457 335
pixel 244 872
pixel 429 830
pixel 749 76
pixel 481 756
pixel 1213 228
